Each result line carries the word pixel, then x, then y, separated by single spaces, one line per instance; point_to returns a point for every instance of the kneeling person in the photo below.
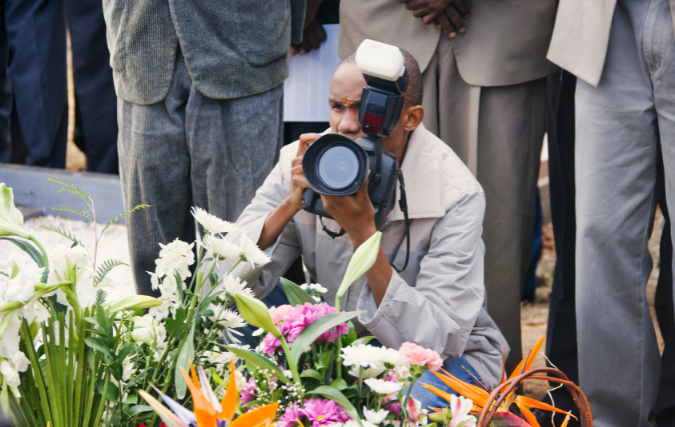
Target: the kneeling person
pixel 438 300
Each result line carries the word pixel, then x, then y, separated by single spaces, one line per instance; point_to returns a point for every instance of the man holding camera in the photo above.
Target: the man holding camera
pixel 429 289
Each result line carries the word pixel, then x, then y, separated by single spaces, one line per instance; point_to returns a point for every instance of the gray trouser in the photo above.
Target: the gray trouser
pixel 619 127
pixel 498 133
pixel 190 150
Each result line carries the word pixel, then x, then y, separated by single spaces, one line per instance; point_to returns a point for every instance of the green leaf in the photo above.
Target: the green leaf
pixel 363 340
pixel 130 400
pixel 119 217
pixel 311 373
pixel 64 233
pixel 364 257
pixel 260 361
pixel 339 398
pixel 66 207
pixel 177 324
pixel 99 345
pixel 339 384
pixel 70 188
pixel 186 353
pixel 27 248
pixel 112 394
pixel 326 358
pixel 125 352
pixel 106 267
pixel 314 330
pixel 138 409
pixel 295 294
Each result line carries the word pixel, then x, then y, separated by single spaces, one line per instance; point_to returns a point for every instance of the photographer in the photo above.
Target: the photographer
pixel 438 299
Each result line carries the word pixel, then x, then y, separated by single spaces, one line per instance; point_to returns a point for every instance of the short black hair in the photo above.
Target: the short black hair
pixel 413 95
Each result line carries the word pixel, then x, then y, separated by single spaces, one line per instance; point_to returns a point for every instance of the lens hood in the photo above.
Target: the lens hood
pixel 334 165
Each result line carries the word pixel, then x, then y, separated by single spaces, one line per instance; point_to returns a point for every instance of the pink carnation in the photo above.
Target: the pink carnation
pixel 421 356
pixel 270 344
pixel 278 313
pixel 321 412
pixel 247 392
pixel 290 417
pixel 301 316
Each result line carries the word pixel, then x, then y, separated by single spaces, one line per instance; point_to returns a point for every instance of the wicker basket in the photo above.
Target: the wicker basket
pixel 547 374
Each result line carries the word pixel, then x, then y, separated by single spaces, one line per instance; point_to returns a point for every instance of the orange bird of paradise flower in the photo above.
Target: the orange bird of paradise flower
pixel 480 396
pixel 208 411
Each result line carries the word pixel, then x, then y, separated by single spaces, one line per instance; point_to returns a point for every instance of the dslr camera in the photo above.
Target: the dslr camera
pixel 334 165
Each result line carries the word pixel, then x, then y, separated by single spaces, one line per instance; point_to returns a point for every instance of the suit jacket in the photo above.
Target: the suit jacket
pixel 232 48
pixel 505 42
pixel 581 36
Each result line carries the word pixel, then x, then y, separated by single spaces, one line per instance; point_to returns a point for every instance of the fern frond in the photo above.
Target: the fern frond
pixel 101 296
pixel 119 217
pixel 70 188
pixel 105 268
pixel 66 207
pixel 65 234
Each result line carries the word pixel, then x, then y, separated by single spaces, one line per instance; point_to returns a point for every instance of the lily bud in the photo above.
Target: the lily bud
pixel 134 302
pixel 364 257
pixel 256 313
pixel 11 218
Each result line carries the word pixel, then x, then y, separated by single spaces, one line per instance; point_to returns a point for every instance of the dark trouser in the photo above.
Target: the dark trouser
pixel 191 150
pixel 33 43
pixel 95 100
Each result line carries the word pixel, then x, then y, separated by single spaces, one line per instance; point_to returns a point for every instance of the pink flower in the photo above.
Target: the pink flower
pixel 278 313
pixel 247 392
pixel 290 417
pixel 322 412
pixel 270 344
pixel 301 316
pixel 421 356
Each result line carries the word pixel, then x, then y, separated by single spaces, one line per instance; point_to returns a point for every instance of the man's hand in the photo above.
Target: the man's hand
pixel 447 14
pixel 312 37
pixel 298 180
pixel 355 214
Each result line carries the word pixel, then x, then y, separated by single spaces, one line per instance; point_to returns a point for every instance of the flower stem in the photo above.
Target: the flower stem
pixel 292 364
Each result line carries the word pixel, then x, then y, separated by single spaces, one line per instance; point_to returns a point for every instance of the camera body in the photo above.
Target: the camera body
pixel 334 165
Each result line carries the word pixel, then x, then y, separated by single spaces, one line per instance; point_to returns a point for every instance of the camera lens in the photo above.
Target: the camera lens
pixel 338 167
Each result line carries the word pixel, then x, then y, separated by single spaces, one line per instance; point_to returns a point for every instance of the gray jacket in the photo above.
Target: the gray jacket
pixel 438 301
pixel 232 48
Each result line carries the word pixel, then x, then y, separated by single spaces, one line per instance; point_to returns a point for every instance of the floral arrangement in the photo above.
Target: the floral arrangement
pixel 70 358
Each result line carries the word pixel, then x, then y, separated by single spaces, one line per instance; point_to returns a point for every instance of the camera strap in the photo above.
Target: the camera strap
pixel 332 234
pixel 403 204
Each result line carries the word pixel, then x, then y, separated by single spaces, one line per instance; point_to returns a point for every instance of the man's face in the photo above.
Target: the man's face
pixel 345 99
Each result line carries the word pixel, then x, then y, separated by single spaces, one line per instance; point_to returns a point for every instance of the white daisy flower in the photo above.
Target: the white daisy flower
pixel 234 285
pixel 383 387
pixel 252 252
pixel 211 223
pixel 221 248
pixel 375 417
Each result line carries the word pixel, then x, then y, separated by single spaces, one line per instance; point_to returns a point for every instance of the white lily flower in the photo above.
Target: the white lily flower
pixel 11 218
pixel 10 374
pixel 9 342
pixel 460 408
pixel 375 417
pixel 383 387
pixel 221 248
pixel 252 252
pixel 147 329
pixel 211 223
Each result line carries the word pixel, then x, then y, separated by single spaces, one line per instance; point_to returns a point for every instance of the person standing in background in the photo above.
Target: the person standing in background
pixel 485 70
pixel 95 100
pixel 33 80
pixel 199 109
pixel 623 55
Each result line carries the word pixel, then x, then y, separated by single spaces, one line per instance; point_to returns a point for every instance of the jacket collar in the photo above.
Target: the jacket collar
pixel 423 176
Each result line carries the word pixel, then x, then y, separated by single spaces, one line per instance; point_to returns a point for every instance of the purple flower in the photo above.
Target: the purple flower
pixel 270 344
pixel 299 317
pixel 248 392
pixel 322 412
pixel 290 417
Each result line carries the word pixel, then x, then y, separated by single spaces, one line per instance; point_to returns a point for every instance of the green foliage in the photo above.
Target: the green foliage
pixel 105 268
pixel 28 248
pixel 119 217
pixel 294 293
pixel 65 234
pixel 314 330
pixel 60 389
pixel 70 188
pixel 67 207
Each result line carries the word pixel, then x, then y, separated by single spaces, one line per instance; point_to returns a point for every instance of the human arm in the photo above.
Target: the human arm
pixel 447 14
pixel 438 306
pixel 313 33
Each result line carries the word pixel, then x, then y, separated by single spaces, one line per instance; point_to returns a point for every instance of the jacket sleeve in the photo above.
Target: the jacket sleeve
pixel 263 279
pixel 440 310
